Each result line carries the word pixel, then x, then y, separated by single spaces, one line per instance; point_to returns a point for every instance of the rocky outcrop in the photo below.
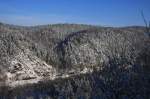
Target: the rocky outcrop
pixel 27 66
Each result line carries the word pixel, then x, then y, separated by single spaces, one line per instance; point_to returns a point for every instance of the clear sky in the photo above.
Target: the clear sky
pixel 97 12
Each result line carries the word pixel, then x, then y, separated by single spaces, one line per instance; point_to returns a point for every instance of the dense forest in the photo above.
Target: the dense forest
pixel 116 61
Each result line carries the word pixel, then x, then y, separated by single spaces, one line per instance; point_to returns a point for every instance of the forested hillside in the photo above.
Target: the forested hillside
pixel 93 59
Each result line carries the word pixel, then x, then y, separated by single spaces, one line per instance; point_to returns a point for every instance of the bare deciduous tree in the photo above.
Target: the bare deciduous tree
pixel 147 24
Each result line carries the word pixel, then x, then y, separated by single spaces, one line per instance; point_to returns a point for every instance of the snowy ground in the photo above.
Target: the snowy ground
pixel 38 79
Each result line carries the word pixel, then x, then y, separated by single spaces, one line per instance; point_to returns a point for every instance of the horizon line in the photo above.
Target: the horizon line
pixel 61 23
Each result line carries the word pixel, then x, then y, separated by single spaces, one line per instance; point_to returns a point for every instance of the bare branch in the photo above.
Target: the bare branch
pixel 142 14
pixel 147 24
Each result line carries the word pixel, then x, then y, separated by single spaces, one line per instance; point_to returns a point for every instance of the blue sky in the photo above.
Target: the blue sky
pixel 96 12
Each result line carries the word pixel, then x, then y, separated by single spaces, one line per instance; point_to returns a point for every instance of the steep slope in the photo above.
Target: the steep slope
pixel 95 47
pixel 18 61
